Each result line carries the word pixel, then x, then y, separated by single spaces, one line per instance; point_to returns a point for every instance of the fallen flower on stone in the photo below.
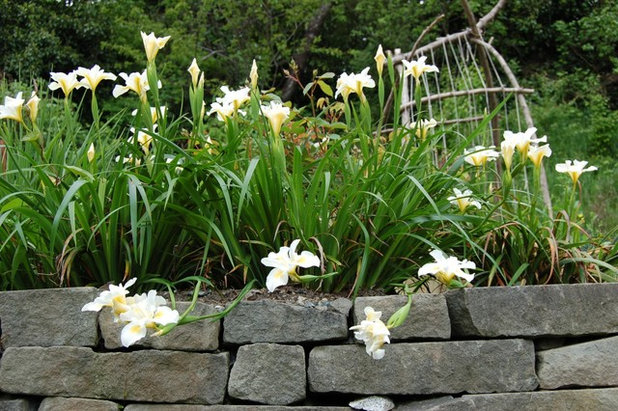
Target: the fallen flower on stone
pixel 115 297
pixel 140 312
pixel 373 332
pixel 145 311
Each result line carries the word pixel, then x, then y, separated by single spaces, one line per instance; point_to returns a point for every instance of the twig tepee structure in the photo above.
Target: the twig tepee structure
pixel 474 78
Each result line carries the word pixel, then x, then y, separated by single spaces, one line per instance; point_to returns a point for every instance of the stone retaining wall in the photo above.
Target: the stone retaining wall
pixel 538 347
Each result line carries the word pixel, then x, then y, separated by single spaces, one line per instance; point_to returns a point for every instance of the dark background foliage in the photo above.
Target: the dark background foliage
pixel 566 49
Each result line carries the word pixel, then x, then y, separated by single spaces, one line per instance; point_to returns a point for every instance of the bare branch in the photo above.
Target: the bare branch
pixel 459 93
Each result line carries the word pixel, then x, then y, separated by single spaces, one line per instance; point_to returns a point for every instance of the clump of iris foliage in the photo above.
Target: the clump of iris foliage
pixel 88 198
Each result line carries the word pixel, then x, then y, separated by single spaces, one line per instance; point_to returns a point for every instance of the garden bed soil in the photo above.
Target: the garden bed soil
pixel 293 294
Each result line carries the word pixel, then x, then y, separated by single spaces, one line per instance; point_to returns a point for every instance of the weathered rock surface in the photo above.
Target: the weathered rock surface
pixel 603 399
pixel 197 336
pixel 590 364
pixel 425 368
pixel 48 317
pixel 16 404
pixel 81 404
pixel 170 407
pixel 373 403
pixel 540 310
pixel 428 318
pixel 269 374
pixel 149 375
pixel 186 407
pixel 423 405
pixel 273 321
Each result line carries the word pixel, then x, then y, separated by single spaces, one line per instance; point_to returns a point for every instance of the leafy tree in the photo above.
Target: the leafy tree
pixel 43 35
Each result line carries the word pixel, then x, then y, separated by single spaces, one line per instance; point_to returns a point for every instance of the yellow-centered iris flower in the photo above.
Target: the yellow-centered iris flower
pixel 422 127
pixel 446 268
pixel 417 68
pixel 480 155
pixel 284 265
pixel 523 140
pixel 463 200
pixel 136 82
pixel 354 83
pixel 574 168
pixel 276 113
pixel 536 154
pixel 33 106
pixel 67 82
pixel 12 108
pixel 93 76
pixel 153 44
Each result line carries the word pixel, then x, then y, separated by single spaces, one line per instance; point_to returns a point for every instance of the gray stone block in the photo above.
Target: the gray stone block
pixel 271 374
pixel 590 364
pixel 425 368
pixel 48 317
pixel 197 336
pixel 428 318
pixel 423 405
pixel 81 404
pixel 17 404
pixel 149 375
pixel 186 407
pixel 274 322
pixel 168 407
pixel 540 310
pixel 603 399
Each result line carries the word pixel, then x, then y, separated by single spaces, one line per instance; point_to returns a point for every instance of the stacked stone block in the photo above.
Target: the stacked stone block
pixel 538 347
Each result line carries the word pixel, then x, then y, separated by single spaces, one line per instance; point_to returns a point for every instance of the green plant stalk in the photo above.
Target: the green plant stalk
pixel 94 108
pixel 185 318
pixel 399 316
pixel 153 83
pixel 196 98
pixel 535 194
pixel 417 99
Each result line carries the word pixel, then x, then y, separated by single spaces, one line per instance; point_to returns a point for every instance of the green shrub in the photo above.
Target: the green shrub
pixel 189 197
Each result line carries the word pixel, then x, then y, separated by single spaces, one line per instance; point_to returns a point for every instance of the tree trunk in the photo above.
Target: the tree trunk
pixel 313 29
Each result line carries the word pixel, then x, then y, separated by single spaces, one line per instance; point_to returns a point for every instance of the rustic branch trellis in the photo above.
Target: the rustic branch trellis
pixel 475 78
